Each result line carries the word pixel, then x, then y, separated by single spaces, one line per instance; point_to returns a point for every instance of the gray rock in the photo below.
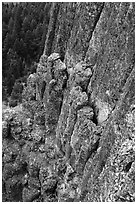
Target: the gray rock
pixel 28 195
pixel 53 57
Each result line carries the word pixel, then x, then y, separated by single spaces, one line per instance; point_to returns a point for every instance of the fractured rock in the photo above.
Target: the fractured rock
pixel 83 74
pixel 54 91
pixel 41 77
pixel 53 57
pixel 77 100
pixel 29 194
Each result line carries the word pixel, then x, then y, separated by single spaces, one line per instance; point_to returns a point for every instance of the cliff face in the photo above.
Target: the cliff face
pixel 73 139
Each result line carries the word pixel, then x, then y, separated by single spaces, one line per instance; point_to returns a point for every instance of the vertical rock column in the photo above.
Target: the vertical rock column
pixel 41 77
pixel 78 140
pixel 77 98
pixel 29 95
pixel 56 79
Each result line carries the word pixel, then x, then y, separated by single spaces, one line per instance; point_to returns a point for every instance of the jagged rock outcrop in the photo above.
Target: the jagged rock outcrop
pixel 73 138
pixel 55 84
pixel 41 77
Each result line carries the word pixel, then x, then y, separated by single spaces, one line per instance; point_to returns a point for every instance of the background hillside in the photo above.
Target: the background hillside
pixel 24 29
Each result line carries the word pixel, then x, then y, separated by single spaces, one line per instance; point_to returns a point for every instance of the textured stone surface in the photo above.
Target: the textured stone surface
pixel 41 77
pixel 87 15
pixel 114 45
pixel 73 138
pixel 53 94
pixel 67 11
pixel 111 157
pixel 30 194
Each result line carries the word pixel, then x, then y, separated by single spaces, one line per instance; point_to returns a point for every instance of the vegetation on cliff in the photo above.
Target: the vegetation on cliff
pixel 24 27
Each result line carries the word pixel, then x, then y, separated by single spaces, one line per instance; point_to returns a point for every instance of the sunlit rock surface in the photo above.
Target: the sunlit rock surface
pixel 73 137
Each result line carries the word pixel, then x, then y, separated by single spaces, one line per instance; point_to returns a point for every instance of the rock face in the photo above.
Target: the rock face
pixel 73 139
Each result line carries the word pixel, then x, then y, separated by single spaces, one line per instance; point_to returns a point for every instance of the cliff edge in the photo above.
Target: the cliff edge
pixel 73 137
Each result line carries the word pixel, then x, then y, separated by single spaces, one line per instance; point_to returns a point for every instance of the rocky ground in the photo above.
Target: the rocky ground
pixel 72 138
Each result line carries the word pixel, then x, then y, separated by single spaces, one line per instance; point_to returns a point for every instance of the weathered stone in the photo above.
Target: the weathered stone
pixel 24 180
pixel 81 101
pixel 42 148
pixel 34 183
pixel 54 92
pixel 29 94
pixel 82 138
pixel 39 117
pixel 49 197
pixel 41 77
pixel 84 123
pixel 111 142
pixel 112 45
pixel 62 122
pixel 48 185
pixel 45 172
pixel 63 28
pixel 80 35
pixel 53 57
pixel 14 188
pixel 51 28
pixel 82 74
pixel 11 152
pixel 77 100
pixel 38 133
pixel 36 160
pixel 8 171
pixel 42 61
pixel 102 111
pixel 5 129
pixel 28 195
